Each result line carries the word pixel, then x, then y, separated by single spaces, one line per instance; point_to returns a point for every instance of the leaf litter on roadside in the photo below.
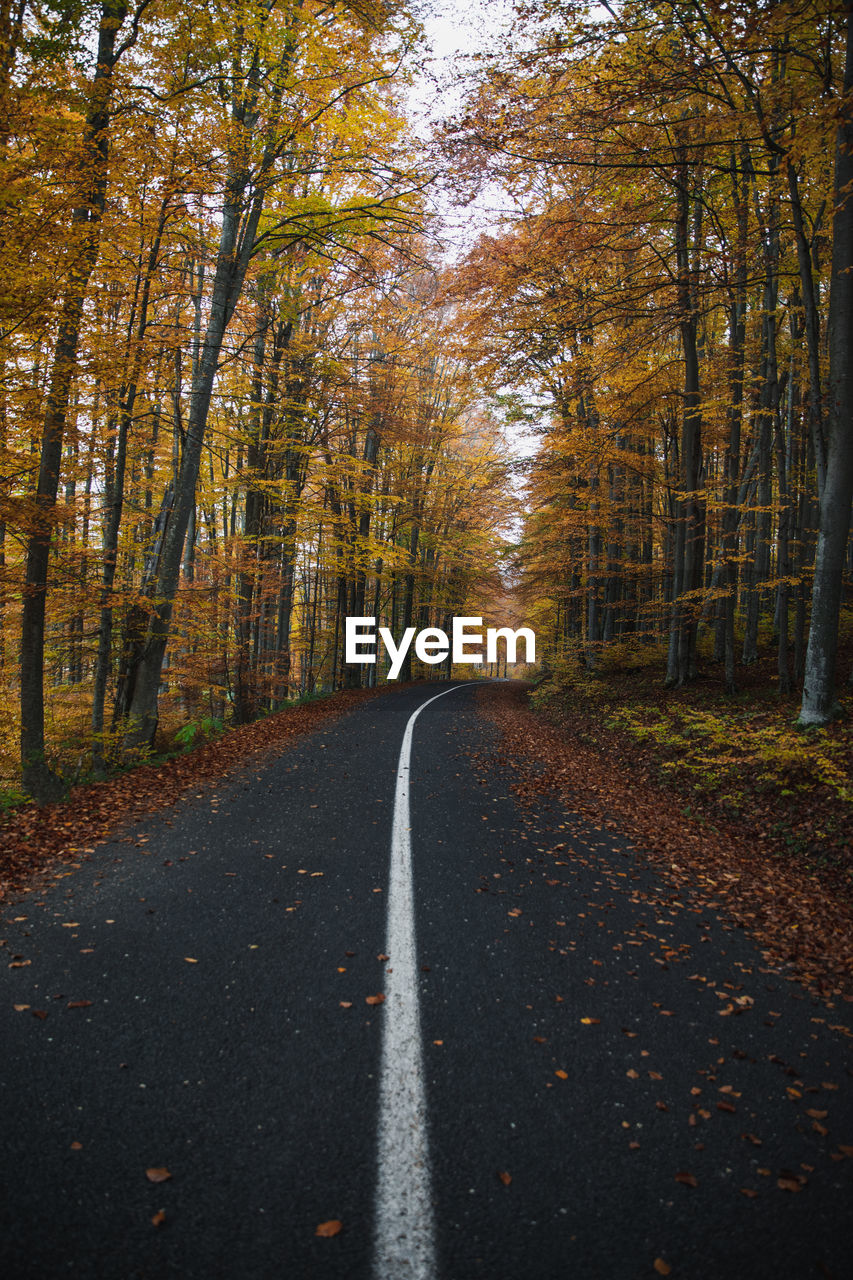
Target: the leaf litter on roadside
pixel 45 842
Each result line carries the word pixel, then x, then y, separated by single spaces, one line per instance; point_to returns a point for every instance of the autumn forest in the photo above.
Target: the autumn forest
pixel 247 390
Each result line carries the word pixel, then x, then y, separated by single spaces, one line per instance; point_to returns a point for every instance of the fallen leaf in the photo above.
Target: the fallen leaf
pixel 76 1146
pixel 19 1008
pixel 380 999
pixel 40 1013
pixel 747 1191
pixel 816 1115
pixel 632 1074
pixel 79 1004
pixel 564 1075
pixel 686 1179
pixel 505 1178
pixel 382 956
pixel 661 1267
pixel 345 1004
pixel 726 1106
pixel 330 1228
pixel 590 1022
pixel 789 1184
pixel 158 1175
pixel 190 960
pixel 159 1218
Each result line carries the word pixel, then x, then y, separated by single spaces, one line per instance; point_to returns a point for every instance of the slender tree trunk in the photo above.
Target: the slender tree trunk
pixel 783 560
pixel 690 541
pixel 819 702
pixel 737 347
pixel 236 239
pixel 116 505
pixel 812 325
pixel 38 778
pixel 243 203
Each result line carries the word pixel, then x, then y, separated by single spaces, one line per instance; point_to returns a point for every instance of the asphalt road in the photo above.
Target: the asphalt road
pixel 195 1000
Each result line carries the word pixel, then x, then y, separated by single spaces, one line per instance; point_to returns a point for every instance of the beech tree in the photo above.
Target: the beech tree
pixel 93 154
pixel 819 699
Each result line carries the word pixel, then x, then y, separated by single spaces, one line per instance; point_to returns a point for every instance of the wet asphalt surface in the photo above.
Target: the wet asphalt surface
pixel 615 1083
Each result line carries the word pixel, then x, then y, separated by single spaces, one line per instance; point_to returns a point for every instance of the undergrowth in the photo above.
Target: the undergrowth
pixel 741 758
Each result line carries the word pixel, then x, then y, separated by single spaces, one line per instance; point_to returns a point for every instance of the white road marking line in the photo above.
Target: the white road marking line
pixel 404 1247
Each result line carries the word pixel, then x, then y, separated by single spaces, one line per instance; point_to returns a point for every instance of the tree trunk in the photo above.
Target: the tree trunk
pixel 38 778
pixel 116 504
pixel 236 239
pixel 819 702
pixel 690 538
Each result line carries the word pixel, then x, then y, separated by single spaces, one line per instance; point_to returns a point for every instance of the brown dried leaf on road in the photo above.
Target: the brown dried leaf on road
pixel 328 1229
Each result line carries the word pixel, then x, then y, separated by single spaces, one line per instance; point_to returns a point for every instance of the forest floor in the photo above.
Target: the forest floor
pixel 38 844
pixel 734 805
